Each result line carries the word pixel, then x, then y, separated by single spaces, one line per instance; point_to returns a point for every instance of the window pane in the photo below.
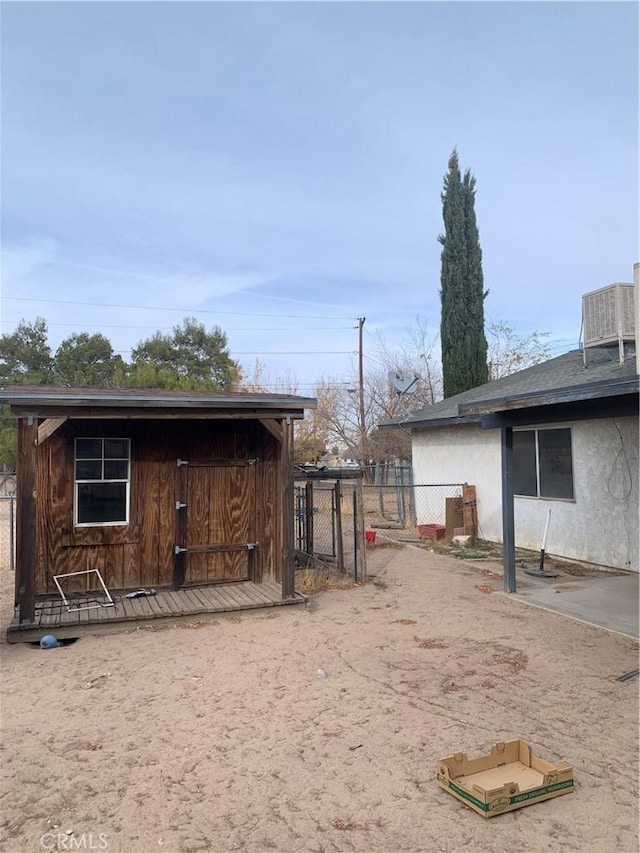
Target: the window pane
pixel 116 448
pixel 556 472
pixel 88 448
pixel 524 463
pixel 116 469
pixel 102 502
pixel 88 469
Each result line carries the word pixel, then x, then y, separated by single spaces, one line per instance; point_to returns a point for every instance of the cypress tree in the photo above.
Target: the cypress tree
pixel 464 345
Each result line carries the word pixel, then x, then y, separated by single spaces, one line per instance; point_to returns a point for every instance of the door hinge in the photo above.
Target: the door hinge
pixel 181 462
pixel 251 546
pixel 180 505
pixel 253 461
pixel 178 550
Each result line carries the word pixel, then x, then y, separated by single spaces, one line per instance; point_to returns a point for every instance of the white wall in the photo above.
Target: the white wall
pixel 464 454
pixel 600 526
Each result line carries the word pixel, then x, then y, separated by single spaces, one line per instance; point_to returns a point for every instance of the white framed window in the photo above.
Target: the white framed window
pixel 101 490
pixel 542 463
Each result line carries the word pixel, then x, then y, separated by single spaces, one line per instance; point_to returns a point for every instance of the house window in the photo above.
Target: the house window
pixel 542 466
pixel 102 480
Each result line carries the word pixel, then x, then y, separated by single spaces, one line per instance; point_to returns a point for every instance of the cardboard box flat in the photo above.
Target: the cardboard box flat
pixel 510 777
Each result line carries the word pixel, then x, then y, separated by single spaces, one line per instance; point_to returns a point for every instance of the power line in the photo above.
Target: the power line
pixel 175 280
pixel 274 352
pixel 163 308
pixel 168 328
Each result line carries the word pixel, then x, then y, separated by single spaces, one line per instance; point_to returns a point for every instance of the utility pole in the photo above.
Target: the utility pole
pixel 361 394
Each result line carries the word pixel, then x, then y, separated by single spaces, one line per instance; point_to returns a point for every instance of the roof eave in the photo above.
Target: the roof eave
pixel 74 401
pixel 429 423
pixel 571 394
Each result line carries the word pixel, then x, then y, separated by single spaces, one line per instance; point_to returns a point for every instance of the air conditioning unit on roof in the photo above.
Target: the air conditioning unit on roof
pixel 608 315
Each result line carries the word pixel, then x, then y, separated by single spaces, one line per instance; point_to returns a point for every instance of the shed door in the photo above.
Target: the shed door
pixel 219 522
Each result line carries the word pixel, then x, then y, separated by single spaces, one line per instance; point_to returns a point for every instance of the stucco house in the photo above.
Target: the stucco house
pixel 562 435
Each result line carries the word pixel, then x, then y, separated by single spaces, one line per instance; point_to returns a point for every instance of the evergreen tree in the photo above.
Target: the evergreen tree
pixel 88 361
pixel 191 359
pixel 464 345
pixel 25 359
pixel 25 356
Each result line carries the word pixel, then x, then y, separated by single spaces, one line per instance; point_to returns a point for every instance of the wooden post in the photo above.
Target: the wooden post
pixel 361 416
pixel 288 510
pixel 453 515
pixel 469 514
pixel 26 517
pixel 508 525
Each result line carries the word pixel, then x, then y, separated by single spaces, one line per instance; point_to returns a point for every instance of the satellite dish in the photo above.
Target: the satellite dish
pixel 403 384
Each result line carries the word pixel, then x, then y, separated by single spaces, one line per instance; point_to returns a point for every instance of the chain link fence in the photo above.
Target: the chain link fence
pixel 7 521
pixel 329 515
pixel 392 501
pixel 329 528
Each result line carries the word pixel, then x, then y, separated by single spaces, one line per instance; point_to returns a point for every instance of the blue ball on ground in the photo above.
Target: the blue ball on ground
pixel 49 642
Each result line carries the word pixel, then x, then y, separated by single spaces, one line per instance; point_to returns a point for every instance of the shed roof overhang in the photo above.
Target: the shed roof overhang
pixel 107 403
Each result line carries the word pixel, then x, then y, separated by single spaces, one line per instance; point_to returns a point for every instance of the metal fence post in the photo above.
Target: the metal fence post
pixel 309 509
pixel 355 536
pixel 379 483
pixel 337 499
pixel 398 487
pixel 412 497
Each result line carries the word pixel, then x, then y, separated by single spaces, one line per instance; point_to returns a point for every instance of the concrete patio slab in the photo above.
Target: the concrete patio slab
pixel 608 601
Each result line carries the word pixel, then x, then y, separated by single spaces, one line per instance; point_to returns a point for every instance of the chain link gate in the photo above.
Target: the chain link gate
pixel 329 525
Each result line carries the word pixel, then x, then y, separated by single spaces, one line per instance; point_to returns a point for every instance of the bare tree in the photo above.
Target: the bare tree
pixel 260 381
pixel 310 440
pixel 336 421
pixel 510 352
pixel 414 359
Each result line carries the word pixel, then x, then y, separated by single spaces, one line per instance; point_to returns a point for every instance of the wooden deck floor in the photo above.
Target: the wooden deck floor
pixel 52 616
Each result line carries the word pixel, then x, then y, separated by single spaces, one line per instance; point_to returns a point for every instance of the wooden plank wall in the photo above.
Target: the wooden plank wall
pixel 220 499
pixel 142 552
pixel 137 554
pixel 286 467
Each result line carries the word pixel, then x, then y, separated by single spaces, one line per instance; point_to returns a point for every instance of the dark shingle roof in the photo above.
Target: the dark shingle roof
pixel 566 371
pixel 148 397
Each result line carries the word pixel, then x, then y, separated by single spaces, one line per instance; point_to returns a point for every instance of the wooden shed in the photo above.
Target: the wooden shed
pixel 156 489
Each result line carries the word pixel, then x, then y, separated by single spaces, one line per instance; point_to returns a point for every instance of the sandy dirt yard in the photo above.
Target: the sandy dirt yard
pixel 319 729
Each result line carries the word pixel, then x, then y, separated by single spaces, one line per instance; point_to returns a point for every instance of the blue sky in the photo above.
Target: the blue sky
pixel 276 168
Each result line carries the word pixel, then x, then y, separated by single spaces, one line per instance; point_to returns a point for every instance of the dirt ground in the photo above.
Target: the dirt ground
pixel 319 729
